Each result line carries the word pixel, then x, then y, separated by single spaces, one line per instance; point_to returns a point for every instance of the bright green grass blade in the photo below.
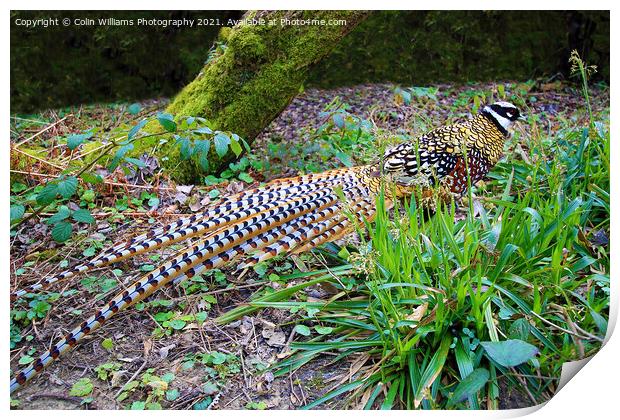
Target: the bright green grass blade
pixel 388 403
pixel 433 369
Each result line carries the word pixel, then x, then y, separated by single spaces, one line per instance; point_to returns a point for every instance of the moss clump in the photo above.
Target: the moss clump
pixel 247 46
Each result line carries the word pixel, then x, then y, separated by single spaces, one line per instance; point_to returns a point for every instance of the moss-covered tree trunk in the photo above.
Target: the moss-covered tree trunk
pixel 259 68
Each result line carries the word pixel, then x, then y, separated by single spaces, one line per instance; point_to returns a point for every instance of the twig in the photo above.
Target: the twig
pixel 118 184
pixel 37 158
pixel 132 378
pixel 558 327
pixel 43 130
pixel 75 400
pixel 523 383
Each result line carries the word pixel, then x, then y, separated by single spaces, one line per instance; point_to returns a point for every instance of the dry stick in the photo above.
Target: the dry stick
pixel 75 400
pixel 523 383
pixel 125 213
pixel 120 391
pixel 193 311
pixel 43 130
pixel 301 389
pixel 558 327
pixel 245 378
pixel 118 184
pixel 89 152
pixel 37 158
pixel 290 380
pixel 564 311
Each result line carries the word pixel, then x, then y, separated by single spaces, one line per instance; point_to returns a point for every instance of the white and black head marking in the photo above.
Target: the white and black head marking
pixel 503 114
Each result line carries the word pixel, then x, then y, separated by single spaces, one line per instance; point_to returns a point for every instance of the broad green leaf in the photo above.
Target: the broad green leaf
pixel 62 214
pixel 163 316
pixel 519 329
pixel 172 394
pixel 221 142
pixel 47 194
pixel 25 360
pixel 201 146
pixel 136 128
pixel 61 231
pixel 509 353
pixel 138 405
pixel 134 109
pixel 323 330
pixel 203 130
pixel 18 187
pixel 74 140
pixel 469 386
pixel 203 161
pixel 210 388
pixel 83 215
pixel 167 377
pixel 245 177
pixel 17 212
pixel 107 344
pixel 235 146
pixel 147 267
pixel 344 158
pixel 67 186
pixel 137 162
pixel 91 178
pixel 218 358
pixel 203 404
pixel 303 330
pixel 338 120
pixel 89 252
pixel 185 147
pixel 122 151
pixel 167 122
pixel 177 324
pixel 81 388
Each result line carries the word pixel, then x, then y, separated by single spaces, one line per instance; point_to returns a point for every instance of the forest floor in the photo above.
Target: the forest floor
pixel 186 365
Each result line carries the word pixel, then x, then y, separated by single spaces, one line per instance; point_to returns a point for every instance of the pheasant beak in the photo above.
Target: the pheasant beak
pixel 522 118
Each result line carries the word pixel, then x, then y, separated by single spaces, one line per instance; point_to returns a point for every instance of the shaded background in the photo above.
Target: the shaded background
pixel 57 66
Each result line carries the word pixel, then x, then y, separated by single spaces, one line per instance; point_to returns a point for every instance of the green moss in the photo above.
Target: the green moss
pixel 247 46
pixel 21 162
pixel 260 72
pixel 224 34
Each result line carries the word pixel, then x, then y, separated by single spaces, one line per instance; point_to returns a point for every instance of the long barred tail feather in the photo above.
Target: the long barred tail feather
pixel 230 210
pixel 283 216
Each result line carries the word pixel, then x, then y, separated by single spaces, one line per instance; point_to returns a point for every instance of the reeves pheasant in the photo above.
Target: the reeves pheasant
pixel 295 214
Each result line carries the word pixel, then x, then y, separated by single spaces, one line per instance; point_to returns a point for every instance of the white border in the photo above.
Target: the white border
pixel 592 394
